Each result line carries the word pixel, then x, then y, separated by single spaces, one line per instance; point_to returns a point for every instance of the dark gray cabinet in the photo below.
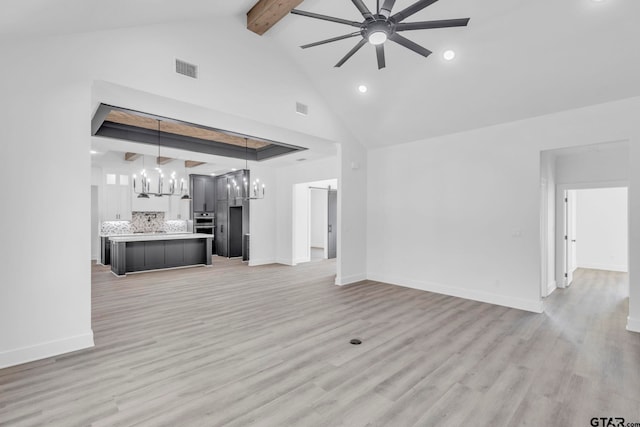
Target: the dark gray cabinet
pixel 237 183
pixel 129 257
pixel 134 256
pixel 193 253
pixel 232 214
pixel 202 193
pixel 174 253
pixel 222 227
pixel 222 191
pixel 105 250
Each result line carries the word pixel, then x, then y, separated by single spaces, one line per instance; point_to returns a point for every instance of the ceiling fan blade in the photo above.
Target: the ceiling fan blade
pixel 414 8
pixel 426 25
pixel 386 8
pixel 325 18
pixel 380 54
pixel 363 9
pixel 410 45
pixel 334 39
pixel 351 52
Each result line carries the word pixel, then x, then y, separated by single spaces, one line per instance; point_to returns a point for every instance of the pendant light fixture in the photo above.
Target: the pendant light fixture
pixel 185 195
pixel 144 193
pixel 256 190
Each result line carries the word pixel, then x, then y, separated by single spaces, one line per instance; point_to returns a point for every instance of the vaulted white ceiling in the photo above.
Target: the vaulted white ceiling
pixel 516 59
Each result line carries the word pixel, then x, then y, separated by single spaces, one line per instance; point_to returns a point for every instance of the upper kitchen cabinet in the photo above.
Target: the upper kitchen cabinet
pixel 203 193
pixel 233 187
pixel 222 191
pixel 178 208
pixel 238 187
pixel 117 196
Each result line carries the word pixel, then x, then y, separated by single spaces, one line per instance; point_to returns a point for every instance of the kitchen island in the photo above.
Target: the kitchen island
pixel 143 252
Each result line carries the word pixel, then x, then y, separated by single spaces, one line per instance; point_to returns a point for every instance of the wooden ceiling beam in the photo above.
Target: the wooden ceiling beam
pixel 192 163
pixel 163 160
pixel 266 13
pixel 130 157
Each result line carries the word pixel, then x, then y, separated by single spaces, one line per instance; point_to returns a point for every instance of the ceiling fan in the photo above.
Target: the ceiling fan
pixel 382 26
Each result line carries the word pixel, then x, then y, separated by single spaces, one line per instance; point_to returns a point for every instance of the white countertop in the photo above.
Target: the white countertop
pixel 143 234
pixel 147 237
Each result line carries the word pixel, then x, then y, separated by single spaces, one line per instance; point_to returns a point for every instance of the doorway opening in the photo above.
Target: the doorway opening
pixel 595 230
pixel 584 219
pixel 315 221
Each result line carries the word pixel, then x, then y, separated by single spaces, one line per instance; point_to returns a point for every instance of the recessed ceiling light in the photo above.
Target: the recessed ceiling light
pixel 449 55
pixel 213 174
pixel 233 169
pixel 363 89
pixel 93 152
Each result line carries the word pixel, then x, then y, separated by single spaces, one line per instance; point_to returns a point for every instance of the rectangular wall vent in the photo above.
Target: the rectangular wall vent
pixel 302 109
pixel 186 69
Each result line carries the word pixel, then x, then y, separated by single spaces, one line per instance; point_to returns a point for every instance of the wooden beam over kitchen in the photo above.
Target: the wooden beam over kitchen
pixel 130 157
pixel 266 13
pixel 192 163
pixel 163 160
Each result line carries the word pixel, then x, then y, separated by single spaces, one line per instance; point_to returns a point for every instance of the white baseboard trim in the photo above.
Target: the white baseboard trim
pixel 481 296
pixel 606 267
pixel 285 261
pixel 257 262
pixel 551 287
pixel 45 350
pixel 633 325
pixel 348 280
pixel 301 260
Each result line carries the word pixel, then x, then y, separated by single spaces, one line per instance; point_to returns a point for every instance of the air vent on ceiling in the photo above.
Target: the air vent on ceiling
pixel 302 109
pixel 186 69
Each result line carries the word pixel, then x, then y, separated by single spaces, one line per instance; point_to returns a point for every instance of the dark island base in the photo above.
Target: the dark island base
pixel 129 257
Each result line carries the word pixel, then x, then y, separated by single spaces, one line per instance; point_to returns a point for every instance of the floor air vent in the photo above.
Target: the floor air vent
pixel 186 69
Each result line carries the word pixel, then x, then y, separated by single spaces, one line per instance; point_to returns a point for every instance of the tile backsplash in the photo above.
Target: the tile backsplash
pixel 175 226
pixel 147 222
pixel 143 222
pixel 109 228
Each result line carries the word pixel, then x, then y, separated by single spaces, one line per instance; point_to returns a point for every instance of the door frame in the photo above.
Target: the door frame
pixel 332 228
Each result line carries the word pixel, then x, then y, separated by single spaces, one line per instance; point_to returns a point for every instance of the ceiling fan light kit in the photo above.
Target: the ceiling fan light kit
pixel 382 26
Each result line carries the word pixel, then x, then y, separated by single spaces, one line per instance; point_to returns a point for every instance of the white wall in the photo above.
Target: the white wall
pixel 301 223
pixel 633 321
pixel 262 219
pixel 318 213
pixel 49 95
pixel 604 163
pixel 548 223
pixel 462 212
pixel 353 237
pixel 601 229
pixel 95 223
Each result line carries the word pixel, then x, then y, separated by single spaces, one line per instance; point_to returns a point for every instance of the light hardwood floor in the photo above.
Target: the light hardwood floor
pixel 269 346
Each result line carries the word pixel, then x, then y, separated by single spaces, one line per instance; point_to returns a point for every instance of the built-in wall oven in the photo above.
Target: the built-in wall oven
pixel 205 222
